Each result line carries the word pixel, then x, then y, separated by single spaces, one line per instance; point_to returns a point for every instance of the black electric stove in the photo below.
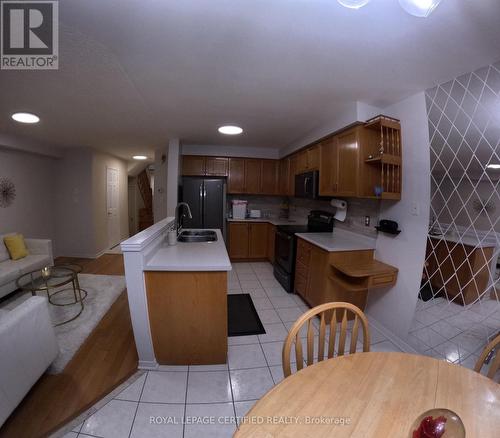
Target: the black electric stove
pixel 286 244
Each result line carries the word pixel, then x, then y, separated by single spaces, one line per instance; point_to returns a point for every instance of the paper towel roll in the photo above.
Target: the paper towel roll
pixel 341 207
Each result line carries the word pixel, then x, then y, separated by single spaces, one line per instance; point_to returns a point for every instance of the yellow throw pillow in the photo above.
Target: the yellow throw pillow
pixel 16 246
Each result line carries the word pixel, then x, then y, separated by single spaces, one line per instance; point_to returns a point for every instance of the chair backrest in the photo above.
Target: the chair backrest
pixel 495 361
pixel 330 314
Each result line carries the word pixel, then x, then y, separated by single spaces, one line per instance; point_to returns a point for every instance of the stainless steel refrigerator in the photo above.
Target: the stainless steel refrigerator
pixel 207 199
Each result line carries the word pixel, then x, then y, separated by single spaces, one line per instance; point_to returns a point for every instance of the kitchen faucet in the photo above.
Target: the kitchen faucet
pixel 179 217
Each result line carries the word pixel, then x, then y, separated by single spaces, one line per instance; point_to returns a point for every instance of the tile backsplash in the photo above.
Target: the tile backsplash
pixel 299 208
pixel 268 205
pixel 357 209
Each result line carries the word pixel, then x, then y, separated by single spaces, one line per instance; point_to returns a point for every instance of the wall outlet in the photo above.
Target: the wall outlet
pixel 415 208
pixel 367 221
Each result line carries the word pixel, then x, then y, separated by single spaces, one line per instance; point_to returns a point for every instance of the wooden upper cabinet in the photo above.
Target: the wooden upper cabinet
pixel 253 176
pixel 307 159
pixel 193 165
pixel 236 175
pixel 269 179
pixel 328 167
pixel 301 164
pixel 313 158
pixel 257 240
pixel 348 163
pixel 284 176
pixel 238 240
pixel 217 166
pixel 291 176
pixel 339 165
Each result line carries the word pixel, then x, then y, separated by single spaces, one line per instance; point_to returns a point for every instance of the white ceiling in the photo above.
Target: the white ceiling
pixel 135 73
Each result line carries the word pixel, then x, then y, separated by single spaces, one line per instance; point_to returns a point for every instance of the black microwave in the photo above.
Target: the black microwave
pixel 306 185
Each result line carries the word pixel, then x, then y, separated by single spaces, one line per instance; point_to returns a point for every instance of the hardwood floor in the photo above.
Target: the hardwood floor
pixel 106 359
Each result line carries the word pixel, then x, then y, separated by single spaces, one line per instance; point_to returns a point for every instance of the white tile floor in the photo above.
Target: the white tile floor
pixel 212 392
pixel 453 332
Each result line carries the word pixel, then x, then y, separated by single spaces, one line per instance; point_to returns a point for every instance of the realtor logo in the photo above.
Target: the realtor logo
pixel 29 35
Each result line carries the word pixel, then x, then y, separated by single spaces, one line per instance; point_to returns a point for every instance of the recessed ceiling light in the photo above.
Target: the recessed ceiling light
pixel 230 130
pixel 25 118
pixel 140 157
pixel 493 166
pixel 353 4
pixel 419 8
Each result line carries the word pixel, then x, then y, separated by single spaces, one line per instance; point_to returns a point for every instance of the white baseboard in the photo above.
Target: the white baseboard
pixel 400 343
pixel 150 365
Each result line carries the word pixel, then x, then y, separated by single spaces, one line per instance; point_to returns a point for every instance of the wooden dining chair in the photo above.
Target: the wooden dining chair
pixel 330 314
pixel 495 360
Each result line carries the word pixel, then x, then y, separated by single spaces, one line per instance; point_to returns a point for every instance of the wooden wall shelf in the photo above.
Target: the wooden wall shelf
pixel 385 159
pixel 382 121
pixel 365 275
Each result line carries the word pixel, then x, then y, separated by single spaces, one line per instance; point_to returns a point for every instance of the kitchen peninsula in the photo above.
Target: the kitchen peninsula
pixel 177 297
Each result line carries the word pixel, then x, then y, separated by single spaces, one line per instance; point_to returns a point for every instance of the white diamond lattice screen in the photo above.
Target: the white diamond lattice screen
pixel 459 306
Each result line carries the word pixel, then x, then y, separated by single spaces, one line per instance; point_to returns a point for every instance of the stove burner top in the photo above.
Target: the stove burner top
pixel 292 229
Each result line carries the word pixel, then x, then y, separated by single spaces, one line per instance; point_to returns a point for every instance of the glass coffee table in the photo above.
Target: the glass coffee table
pixel 56 277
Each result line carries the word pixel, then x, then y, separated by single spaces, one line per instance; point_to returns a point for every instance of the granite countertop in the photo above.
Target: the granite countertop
pixel 191 256
pixel 339 240
pixel 273 221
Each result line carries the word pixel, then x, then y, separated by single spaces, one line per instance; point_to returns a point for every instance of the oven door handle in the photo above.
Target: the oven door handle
pixel 285 236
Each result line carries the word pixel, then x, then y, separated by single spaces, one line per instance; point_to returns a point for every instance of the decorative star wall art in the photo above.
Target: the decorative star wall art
pixel 7 192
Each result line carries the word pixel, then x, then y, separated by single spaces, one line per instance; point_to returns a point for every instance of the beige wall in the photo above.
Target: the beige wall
pixel 33 210
pixel 100 162
pixel 74 231
pixel 63 199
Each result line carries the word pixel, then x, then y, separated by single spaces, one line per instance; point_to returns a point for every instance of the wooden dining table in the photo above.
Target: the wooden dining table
pixel 373 395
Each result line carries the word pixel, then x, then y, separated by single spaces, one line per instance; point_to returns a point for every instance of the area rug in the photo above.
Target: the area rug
pixel 102 290
pixel 243 319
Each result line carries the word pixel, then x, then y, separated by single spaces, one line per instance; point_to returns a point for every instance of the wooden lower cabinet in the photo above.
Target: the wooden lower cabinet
pixel 460 271
pixel 248 241
pixel 271 239
pixel 188 317
pixel 238 240
pixel 310 273
pixel 257 241
pixel 322 276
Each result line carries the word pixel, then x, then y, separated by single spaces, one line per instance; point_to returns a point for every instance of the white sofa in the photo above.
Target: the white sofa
pixel 40 255
pixel 27 347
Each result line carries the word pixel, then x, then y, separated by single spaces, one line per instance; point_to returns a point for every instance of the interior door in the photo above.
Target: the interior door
pixel 213 204
pixel 113 218
pixel 192 194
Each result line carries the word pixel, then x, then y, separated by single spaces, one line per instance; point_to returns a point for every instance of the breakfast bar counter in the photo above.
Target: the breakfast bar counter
pixel 177 298
pixel 191 256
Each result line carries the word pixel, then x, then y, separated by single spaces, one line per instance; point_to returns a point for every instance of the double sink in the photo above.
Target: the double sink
pixel 197 236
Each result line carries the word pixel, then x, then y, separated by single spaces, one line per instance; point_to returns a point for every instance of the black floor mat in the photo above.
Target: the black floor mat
pixel 242 317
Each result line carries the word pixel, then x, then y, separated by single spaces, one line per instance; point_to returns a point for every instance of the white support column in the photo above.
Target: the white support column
pixel 173 173
pixel 136 251
pixel 160 184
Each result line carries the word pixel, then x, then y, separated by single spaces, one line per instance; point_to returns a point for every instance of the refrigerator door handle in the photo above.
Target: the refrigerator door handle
pixel 204 205
pixel 201 203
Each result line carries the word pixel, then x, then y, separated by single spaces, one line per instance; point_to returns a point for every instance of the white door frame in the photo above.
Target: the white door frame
pixel 113 208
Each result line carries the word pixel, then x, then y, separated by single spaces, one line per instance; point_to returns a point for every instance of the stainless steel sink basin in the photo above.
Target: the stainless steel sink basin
pixel 197 236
